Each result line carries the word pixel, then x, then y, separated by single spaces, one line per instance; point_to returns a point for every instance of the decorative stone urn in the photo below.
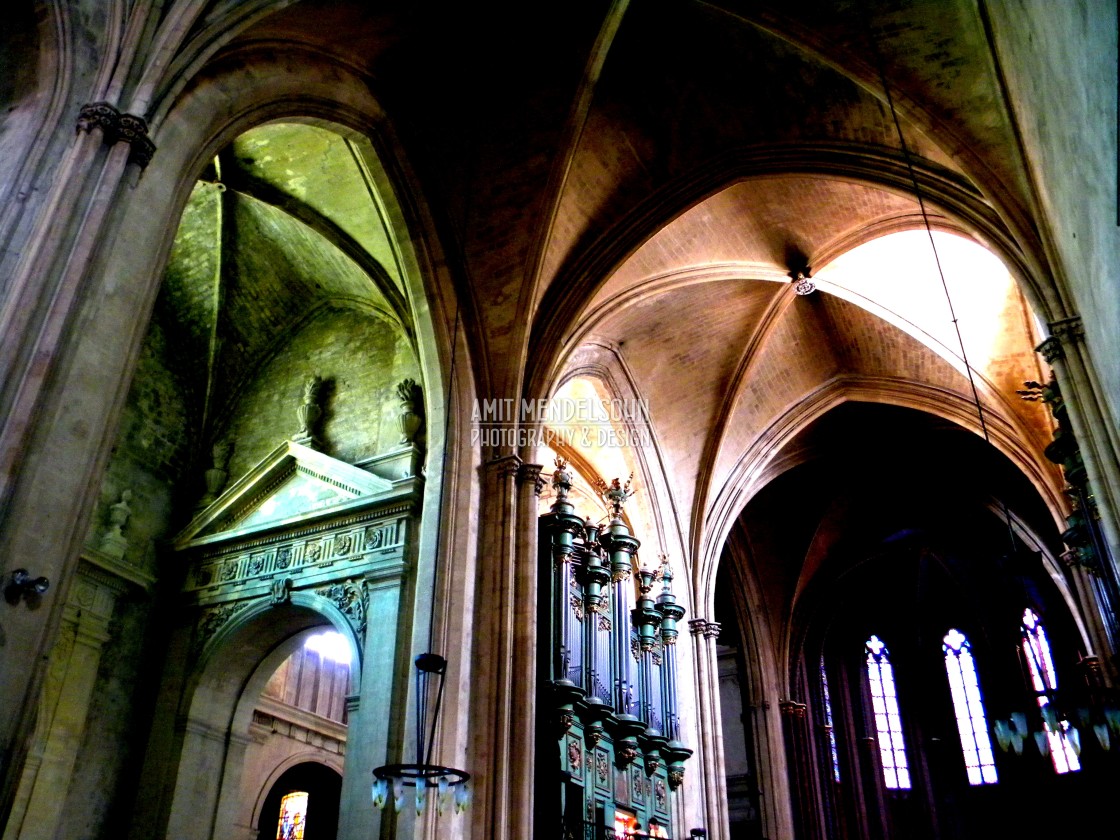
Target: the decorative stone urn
pixel 216 476
pixel 113 542
pixel 410 417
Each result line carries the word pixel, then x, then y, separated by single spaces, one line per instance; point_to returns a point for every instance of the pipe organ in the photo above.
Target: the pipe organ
pixel 610 752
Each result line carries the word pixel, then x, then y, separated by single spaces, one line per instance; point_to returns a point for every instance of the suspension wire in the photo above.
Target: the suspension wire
pixel 907 157
pixel 443 476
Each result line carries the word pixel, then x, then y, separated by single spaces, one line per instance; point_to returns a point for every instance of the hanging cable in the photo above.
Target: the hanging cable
pixel 443 474
pixel 908 159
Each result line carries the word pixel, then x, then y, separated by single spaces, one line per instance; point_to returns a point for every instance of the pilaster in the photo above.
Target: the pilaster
pixel 499 797
pixel 523 725
pixel 799 751
pixel 1066 353
pixel 64 704
pixel 712 783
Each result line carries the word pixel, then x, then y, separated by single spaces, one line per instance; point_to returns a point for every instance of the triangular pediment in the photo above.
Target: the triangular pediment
pixel 294 483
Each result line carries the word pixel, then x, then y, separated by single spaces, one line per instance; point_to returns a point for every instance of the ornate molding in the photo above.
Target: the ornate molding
pixel 350 598
pixel 281 591
pixel 118 128
pixel 352 542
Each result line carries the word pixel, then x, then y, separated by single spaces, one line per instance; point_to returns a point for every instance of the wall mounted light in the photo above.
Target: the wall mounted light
pixel 23 587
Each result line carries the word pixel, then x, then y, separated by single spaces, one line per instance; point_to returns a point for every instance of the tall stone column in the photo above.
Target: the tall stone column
pixel 1088 597
pixel 713 783
pixel 803 778
pixel 499 797
pixel 52 441
pixel 529 486
pixel 1065 351
pixel 1094 534
pixel 775 801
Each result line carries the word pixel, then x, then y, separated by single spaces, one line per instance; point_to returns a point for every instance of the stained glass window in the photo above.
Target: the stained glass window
pixel 293 816
pixel 828 724
pixel 888 723
pixel 979 761
pixel 1044 679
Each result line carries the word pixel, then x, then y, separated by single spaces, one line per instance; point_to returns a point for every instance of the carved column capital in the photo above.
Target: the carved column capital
pixel 701 626
pixel 98 115
pixel 1068 330
pixel 1051 350
pixel 531 473
pixel 1064 333
pixel 118 128
pixel 791 708
pixel 504 466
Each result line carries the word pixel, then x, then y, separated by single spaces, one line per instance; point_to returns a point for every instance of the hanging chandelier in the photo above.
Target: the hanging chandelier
pixel 447 783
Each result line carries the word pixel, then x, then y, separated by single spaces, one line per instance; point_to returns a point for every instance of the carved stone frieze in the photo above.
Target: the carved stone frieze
pixel 531 472
pixel 1051 350
pixel 98 115
pixel 345 543
pixel 283 557
pixel 701 626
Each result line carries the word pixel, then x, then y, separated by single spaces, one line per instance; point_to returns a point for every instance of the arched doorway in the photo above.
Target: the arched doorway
pixel 313 792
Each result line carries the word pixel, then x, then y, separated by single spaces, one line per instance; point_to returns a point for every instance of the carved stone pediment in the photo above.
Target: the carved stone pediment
pixel 293 485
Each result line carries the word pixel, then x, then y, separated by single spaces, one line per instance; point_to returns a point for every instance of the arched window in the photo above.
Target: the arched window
pixel 969 707
pixel 828 724
pixel 293 816
pixel 888 723
pixel 1044 679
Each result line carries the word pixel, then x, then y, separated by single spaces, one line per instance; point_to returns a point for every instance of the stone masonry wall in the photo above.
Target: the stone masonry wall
pixel 360 358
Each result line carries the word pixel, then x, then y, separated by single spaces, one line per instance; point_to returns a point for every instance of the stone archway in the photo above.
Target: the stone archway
pixel 323 786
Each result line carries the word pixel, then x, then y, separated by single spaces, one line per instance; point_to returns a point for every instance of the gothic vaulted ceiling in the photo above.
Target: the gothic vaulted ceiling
pixel 641 178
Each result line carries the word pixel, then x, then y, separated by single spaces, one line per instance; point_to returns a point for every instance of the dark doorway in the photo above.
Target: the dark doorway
pixel 324 792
